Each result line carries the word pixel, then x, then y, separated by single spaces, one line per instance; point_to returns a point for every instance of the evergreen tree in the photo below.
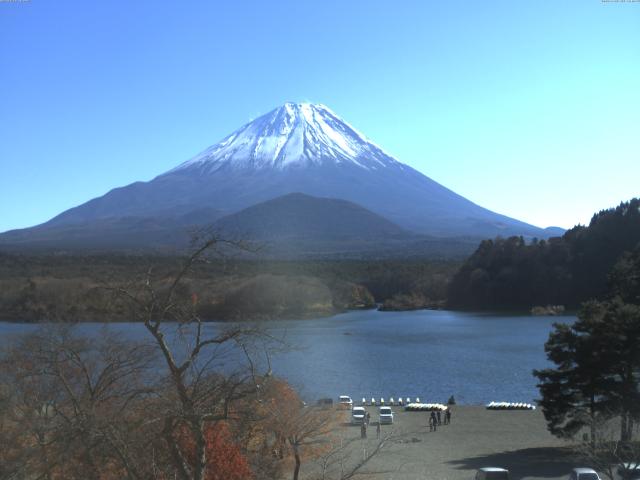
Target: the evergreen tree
pixel 597 361
pixel 625 277
pixel 575 392
pixel 620 357
pixel 511 273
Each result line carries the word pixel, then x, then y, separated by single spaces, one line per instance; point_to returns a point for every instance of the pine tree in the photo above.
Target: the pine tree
pixel 597 373
pixel 575 392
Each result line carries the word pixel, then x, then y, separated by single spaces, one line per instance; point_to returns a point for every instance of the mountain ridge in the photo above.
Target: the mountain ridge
pixel 302 148
pixel 293 226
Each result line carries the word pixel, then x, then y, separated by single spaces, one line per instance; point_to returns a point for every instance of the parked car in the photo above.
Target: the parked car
pixel 386 415
pixel 629 471
pixel 492 473
pixel 583 474
pixel 345 401
pixel 358 415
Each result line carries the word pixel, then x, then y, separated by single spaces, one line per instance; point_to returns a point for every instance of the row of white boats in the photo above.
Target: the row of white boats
pixel 399 402
pixel 417 405
pixel 426 407
pixel 509 406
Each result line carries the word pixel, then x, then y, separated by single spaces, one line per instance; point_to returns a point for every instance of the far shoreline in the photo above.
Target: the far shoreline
pixel 304 318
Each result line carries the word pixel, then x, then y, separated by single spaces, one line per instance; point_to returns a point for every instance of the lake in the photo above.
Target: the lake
pixel 427 353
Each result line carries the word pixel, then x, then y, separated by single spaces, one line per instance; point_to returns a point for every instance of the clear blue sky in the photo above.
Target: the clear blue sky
pixel 531 109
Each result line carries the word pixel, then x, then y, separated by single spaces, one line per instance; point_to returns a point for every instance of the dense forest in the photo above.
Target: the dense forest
pixel 504 273
pixel 79 288
pixel 514 274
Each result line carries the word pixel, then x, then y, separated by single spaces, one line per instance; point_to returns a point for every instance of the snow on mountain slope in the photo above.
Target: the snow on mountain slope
pixel 303 148
pixel 293 134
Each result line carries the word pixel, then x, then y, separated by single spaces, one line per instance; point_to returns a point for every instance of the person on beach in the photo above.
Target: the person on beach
pixel 363 430
pixel 447 416
pixel 378 430
pixel 439 418
pixel 433 421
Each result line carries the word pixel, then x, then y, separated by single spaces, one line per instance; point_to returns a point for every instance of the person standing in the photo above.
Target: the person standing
pixel 439 417
pixel 363 430
pixel 447 416
pixel 434 420
pixel 378 430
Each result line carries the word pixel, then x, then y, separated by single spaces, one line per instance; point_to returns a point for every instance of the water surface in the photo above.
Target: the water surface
pixel 430 354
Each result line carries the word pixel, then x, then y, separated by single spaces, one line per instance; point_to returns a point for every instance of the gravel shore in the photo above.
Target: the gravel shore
pixel 476 437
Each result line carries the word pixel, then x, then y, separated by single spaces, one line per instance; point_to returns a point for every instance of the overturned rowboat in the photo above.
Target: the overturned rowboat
pixel 425 407
pixel 510 406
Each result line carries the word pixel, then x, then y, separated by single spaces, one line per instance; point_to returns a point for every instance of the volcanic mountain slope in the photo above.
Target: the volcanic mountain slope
pixel 298 225
pixel 295 148
pixel 299 216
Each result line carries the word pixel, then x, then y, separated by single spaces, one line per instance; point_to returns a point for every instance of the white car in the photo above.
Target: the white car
pixel 386 415
pixel 492 473
pixel 358 415
pixel 583 474
pixel 345 401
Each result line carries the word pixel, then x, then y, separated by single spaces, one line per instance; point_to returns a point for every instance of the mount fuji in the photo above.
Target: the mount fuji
pixel 296 148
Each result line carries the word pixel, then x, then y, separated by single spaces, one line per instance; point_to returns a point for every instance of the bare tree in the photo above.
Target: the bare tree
pixel 209 370
pixel 305 429
pixel 72 404
pixel 604 449
pixel 78 407
pixel 297 430
pixel 314 434
pixel 337 460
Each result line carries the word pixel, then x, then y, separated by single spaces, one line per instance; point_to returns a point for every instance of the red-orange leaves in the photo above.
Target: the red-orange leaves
pixel 225 461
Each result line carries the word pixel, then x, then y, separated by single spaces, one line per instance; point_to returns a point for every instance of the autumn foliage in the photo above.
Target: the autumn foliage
pixel 225 460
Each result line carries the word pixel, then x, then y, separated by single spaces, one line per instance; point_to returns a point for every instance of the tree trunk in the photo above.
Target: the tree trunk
pixel 201 449
pixel 624 427
pixel 45 456
pixel 182 468
pixel 593 422
pixel 296 455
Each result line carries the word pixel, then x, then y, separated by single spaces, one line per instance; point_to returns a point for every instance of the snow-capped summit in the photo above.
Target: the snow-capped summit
pixel 294 134
pixel 296 148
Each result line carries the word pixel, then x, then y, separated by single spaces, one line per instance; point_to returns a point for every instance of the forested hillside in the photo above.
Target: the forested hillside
pixel 77 287
pixel 511 273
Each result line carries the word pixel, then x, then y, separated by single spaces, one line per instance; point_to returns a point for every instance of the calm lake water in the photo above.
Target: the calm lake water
pixel 430 354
